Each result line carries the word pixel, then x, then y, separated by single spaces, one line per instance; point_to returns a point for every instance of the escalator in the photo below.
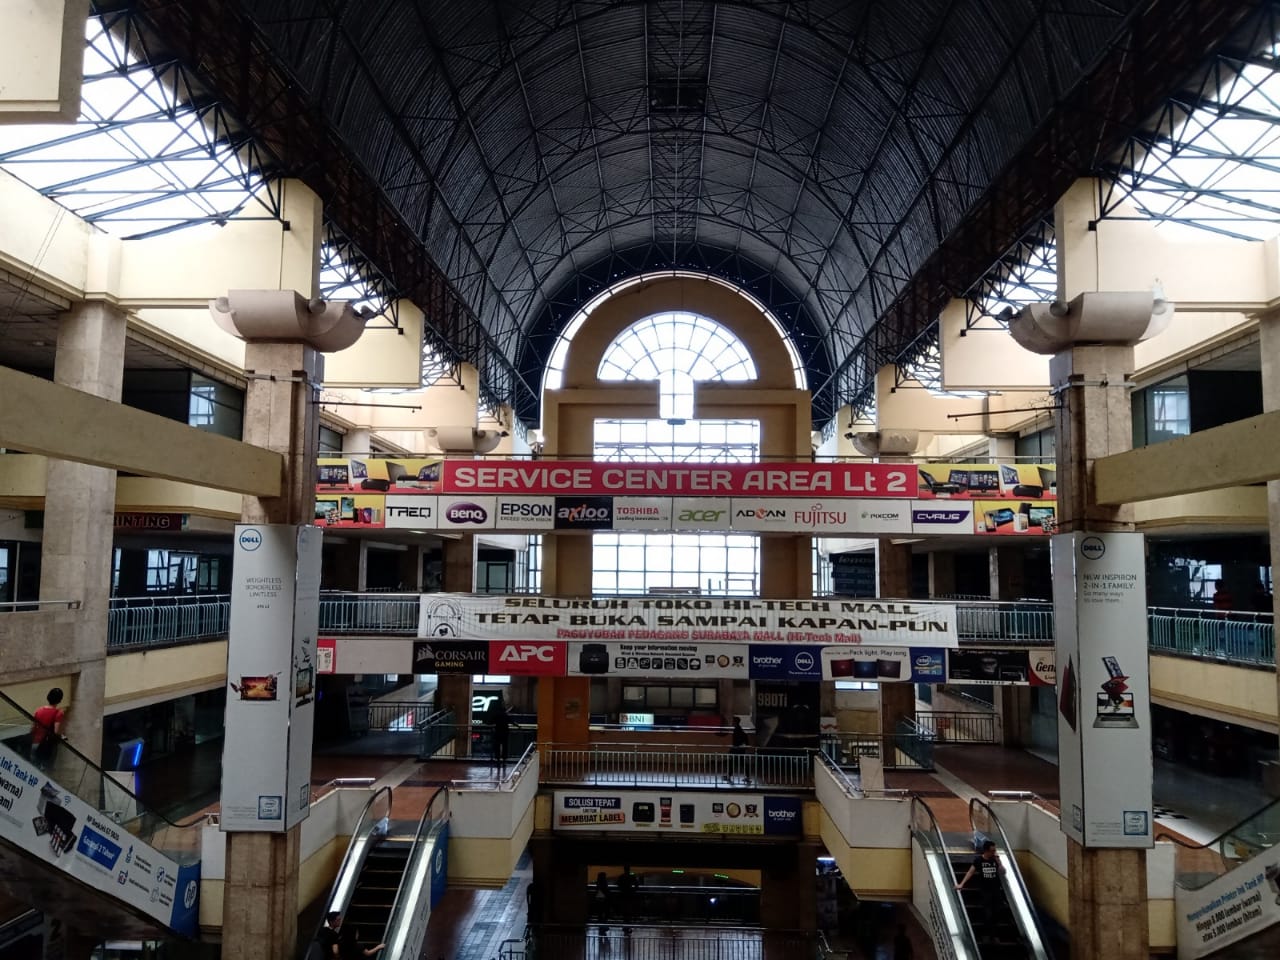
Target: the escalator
pixel 392 875
pixel 75 836
pixel 1011 928
pixel 933 883
pixel 990 919
pixel 1227 891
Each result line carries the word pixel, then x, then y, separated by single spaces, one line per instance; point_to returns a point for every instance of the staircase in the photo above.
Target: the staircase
pixel 375 892
pixel 997 935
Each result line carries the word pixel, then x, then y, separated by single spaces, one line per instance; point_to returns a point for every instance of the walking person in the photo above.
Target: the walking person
pixel 628 888
pixel 986 868
pixel 500 720
pixel 46 729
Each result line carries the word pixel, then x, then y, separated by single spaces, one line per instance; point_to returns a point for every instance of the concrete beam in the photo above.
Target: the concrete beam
pixel 38 416
pixel 1230 455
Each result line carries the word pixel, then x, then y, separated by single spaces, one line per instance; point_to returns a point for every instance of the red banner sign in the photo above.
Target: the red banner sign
pixel 571 477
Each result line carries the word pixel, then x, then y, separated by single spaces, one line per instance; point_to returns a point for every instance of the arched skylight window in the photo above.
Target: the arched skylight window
pixel 676 349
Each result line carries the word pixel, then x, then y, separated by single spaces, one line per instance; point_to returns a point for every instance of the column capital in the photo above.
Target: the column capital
pixel 276 315
pixel 1099 319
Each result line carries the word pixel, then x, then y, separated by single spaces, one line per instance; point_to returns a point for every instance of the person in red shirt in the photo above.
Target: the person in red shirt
pixel 46 729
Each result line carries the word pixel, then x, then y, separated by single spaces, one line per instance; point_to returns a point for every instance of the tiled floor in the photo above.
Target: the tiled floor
pixel 472 924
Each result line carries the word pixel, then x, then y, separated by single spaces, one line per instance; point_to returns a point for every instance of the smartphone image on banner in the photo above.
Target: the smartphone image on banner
pixel 686 815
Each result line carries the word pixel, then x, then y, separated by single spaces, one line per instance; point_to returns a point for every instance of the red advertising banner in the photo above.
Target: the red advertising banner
pixel 528 658
pixel 578 478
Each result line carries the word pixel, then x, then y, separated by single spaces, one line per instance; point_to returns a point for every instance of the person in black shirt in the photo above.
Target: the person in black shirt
pixel 602 898
pixel 628 887
pixel 328 936
pixel 501 721
pixel 738 752
pixel 986 868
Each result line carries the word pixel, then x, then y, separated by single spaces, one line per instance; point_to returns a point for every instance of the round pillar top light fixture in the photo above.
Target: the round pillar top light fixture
pixel 465 439
pixel 885 443
pixel 285 315
pixel 1103 318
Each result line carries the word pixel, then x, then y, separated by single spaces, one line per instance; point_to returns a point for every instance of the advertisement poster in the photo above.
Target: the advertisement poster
pixel 376 475
pixel 1104 695
pixel 787 715
pixel 721 661
pixel 327 656
pixel 306 655
pixel 881 664
pixel 987 481
pixel 1006 518
pixel 689 619
pixel 352 511
pixel 53 825
pixel 784 662
pixel 1234 906
pixel 988 666
pixel 271 659
pixel 639 811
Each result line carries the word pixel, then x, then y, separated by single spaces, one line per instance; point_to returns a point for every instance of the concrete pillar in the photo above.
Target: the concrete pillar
pixel 357 441
pixel 1008 580
pixel 460 564
pixel 351 568
pixel 942 574
pixel 893 569
pixel 454 692
pixel 1106 887
pixel 79 505
pixel 411 568
pixel 260 900
pixel 789 892
pixel 786 567
pixel 564 703
pixel 1269 348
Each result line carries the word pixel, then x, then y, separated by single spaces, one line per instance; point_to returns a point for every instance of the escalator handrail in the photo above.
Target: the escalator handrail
pixel 1038 943
pixel 933 835
pixel 145 811
pixel 1219 842
pixel 357 832
pixel 426 827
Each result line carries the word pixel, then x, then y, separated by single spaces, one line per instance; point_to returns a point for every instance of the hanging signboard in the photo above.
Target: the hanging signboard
pixel 688 619
pixel 639 811
pixel 1104 692
pixel 272 660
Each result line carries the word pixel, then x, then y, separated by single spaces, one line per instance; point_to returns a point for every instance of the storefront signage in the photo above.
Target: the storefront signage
pixel 53 825
pixel 688 619
pixel 639 811
pixel 1001 666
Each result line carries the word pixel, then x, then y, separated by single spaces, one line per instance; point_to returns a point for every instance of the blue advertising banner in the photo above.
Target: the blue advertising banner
pixel 785 662
pixel 440 866
pixel 782 816
pixel 928 665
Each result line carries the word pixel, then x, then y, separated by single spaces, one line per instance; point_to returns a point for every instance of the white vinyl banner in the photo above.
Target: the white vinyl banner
pixel 50 823
pixel 1103 691
pixel 657 811
pixel 1232 907
pixel 271 658
pixel 681 619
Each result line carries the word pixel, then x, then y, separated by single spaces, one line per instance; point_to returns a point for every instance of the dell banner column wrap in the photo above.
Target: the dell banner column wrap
pixel 271 677
pixel 1103 692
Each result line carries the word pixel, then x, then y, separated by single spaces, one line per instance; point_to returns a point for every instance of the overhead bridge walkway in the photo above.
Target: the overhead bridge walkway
pixel 75 837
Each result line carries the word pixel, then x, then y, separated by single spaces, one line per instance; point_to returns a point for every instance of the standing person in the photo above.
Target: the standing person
pixel 601 898
pixel 902 947
pixel 349 945
pixel 500 720
pixel 737 752
pixel 46 729
pixel 628 887
pixel 987 869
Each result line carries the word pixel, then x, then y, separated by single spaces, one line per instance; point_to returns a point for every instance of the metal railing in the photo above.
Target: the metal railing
pixel 1236 637
pixel 674 943
pixel 158 621
pixel 376 809
pixel 672 764
pixel 958 726
pixel 1227 636
pixel 440 737
pixel 910 748
pixel 369 613
pixel 34 606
